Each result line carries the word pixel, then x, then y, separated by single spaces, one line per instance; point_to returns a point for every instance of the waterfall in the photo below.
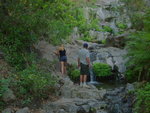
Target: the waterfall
pixel 92 77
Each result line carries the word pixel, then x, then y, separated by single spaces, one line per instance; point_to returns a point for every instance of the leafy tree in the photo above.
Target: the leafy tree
pixel 23 22
pixel 139 49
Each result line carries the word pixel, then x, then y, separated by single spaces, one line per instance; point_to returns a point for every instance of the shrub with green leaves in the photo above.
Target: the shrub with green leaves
pixel 121 26
pixel 4 86
pixel 138 44
pixel 107 29
pixel 73 72
pixel 33 82
pixel 101 69
pixel 142 104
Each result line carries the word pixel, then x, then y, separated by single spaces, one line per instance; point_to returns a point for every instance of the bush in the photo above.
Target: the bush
pixel 101 69
pixel 4 84
pixel 107 29
pixel 121 26
pixel 73 73
pixel 142 104
pixel 33 83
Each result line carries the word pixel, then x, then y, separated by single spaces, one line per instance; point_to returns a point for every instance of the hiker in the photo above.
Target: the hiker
pixel 61 52
pixel 84 64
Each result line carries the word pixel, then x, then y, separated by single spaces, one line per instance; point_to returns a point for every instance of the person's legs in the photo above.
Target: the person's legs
pixel 81 80
pixel 65 64
pixel 84 78
pixel 62 67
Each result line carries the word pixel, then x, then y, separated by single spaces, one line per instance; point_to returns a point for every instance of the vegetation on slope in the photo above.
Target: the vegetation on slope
pixel 138 68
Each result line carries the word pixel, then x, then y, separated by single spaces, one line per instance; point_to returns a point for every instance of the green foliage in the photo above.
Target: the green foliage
pixel 136 10
pixel 88 39
pixel 107 29
pixel 101 69
pixel 23 22
pixel 139 64
pixel 143 100
pixel 138 67
pixel 121 26
pixel 138 47
pixel 33 82
pixel 73 72
pixel 104 41
pixel 4 85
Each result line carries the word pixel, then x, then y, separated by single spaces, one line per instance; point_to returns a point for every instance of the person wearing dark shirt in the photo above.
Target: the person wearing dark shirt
pixel 61 52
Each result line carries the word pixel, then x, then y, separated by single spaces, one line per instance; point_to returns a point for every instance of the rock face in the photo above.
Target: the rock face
pixel 69 90
pixel 99 53
pixel 110 55
pixel 75 105
pixel 75 99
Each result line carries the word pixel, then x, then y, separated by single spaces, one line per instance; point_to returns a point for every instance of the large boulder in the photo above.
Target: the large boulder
pixel 110 55
pixel 75 105
pixel 69 90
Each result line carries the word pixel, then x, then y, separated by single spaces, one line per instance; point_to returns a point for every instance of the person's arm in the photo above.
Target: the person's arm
pixel 78 62
pixel 88 59
pixel 78 59
pixel 56 52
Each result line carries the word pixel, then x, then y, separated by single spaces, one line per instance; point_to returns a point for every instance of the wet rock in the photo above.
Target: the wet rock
pixel 110 55
pixel 130 87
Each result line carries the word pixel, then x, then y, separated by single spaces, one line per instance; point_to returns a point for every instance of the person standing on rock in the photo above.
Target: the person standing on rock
pixel 61 52
pixel 84 64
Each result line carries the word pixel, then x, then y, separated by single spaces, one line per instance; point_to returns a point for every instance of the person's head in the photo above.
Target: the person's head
pixel 61 47
pixel 85 45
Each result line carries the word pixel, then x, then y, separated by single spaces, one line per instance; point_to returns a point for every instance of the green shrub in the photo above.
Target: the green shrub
pixel 107 29
pixel 101 69
pixel 88 39
pixel 73 73
pixel 33 82
pixel 121 26
pixel 104 41
pixel 142 104
pixel 138 66
pixel 4 85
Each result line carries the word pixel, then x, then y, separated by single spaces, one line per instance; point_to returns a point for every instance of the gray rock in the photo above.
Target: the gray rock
pixel 130 87
pixel 8 95
pixel 8 110
pixel 24 110
pixel 73 105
